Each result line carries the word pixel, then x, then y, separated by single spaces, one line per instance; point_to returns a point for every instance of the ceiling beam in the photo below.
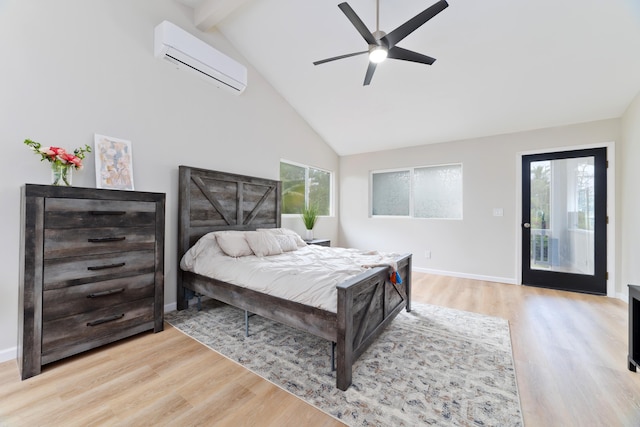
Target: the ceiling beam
pixel 208 13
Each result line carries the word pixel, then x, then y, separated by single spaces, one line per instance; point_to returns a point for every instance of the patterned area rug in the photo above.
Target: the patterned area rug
pixel 433 366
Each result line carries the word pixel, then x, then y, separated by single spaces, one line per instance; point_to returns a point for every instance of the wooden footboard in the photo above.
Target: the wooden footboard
pixel 366 305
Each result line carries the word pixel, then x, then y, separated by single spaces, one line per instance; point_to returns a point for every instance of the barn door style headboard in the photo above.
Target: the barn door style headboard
pixel 215 201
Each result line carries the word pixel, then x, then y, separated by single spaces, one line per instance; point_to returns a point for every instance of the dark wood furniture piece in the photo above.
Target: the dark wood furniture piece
pixel 319 242
pixel 213 201
pixel 634 327
pixel 92 270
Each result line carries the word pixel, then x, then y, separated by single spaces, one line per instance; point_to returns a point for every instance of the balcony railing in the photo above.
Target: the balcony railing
pixel 540 238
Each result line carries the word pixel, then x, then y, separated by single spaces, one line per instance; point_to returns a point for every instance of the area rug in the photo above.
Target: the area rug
pixel 433 366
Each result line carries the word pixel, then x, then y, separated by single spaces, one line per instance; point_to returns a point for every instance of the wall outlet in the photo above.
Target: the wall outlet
pixel 427 254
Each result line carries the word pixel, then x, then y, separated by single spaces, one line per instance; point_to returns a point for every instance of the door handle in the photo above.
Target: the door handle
pixel 526 225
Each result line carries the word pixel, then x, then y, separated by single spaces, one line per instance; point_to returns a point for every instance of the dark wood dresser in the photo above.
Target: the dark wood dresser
pixel 92 270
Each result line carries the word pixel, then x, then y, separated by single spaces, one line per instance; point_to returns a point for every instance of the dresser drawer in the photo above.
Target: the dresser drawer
pixel 63 272
pixel 72 334
pixel 61 242
pixel 73 300
pixel 85 213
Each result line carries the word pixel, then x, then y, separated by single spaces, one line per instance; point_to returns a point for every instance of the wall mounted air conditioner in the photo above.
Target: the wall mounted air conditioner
pixel 189 52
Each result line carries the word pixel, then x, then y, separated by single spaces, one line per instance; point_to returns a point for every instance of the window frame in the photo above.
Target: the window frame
pixel 411 170
pixel 306 186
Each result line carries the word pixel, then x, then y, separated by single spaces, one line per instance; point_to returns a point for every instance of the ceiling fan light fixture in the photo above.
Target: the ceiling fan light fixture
pixel 382 45
pixel 377 54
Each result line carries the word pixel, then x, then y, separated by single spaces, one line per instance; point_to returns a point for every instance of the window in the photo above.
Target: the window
pixel 422 192
pixel 437 192
pixel 304 186
pixel 390 194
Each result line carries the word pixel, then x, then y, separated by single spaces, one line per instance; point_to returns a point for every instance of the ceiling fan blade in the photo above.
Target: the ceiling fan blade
pixel 414 23
pixel 409 55
pixel 370 70
pixel 322 61
pixel 357 22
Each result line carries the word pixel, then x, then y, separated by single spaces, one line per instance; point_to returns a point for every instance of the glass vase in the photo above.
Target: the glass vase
pixel 309 235
pixel 61 174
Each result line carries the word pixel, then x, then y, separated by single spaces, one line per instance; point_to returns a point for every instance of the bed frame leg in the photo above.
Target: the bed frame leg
pixel 246 322
pixel 199 303
pixel 333 356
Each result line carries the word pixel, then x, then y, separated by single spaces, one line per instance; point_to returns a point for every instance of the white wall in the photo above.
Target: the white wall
pixel 481 245
pixel 629 265
pixel 72 68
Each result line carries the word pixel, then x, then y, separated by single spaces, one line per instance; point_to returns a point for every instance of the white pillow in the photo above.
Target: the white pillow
pixel 287 243
pixel 233 243
pixel 285 231
pixel 206 247
pixel 262 244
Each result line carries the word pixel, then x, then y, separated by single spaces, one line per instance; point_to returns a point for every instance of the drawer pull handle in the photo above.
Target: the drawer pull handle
pixel 106 239
pixel 106 319
pixel 103 267
pixel 105 293
pixel 107 212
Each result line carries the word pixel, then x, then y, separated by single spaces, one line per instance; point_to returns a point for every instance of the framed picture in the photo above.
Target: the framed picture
pixel 114 163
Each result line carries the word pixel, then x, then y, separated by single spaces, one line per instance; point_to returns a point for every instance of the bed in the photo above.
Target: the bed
pixel 212 201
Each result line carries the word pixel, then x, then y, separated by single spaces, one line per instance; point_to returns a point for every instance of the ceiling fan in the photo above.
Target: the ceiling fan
pixel 383 45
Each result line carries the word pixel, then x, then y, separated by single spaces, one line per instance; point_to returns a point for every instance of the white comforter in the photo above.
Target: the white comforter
pixel 308 275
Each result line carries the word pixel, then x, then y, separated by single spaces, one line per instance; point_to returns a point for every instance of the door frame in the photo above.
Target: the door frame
pixel 611 208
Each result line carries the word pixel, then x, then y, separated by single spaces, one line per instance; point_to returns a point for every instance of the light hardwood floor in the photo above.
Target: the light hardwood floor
pixel 569 349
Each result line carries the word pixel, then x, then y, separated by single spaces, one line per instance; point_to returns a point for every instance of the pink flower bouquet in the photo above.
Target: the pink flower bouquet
pixel 59 155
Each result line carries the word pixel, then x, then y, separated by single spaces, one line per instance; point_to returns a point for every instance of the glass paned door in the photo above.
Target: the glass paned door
pixel 564 220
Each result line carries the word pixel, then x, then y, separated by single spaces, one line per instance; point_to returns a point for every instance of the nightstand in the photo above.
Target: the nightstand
pixel 319 242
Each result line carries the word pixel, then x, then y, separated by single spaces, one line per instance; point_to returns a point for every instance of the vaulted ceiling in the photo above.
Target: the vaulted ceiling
pixel 501 65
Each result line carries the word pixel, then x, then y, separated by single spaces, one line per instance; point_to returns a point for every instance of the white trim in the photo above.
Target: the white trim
pixel 12 352
pixel 332 192
pixel 611 208
pixel 410 191
pixel 623 296
pixel 8 354
pixel 174 306
pixel 303 165
pixel 412 172
pixel 507 280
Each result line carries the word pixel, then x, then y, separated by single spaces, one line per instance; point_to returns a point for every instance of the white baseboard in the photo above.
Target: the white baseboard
pixel 8 354
pixel 12 352
pixel 510 281
pixel 623 296
pixel 174 305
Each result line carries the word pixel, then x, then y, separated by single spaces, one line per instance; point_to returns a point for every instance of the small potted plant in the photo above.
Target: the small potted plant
pixel 309 218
